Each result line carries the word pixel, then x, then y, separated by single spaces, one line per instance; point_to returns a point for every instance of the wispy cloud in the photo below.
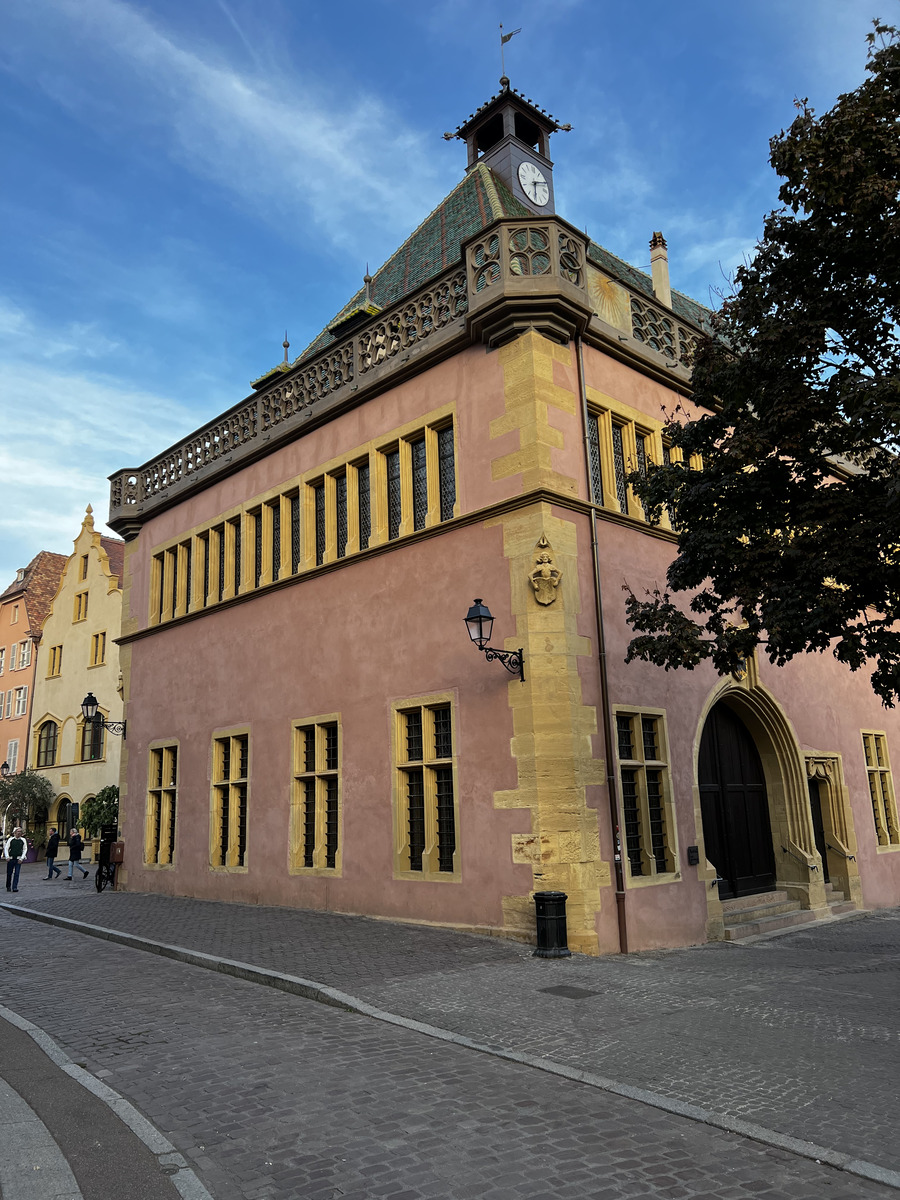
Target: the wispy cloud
pixel 66 427
pixel 292 151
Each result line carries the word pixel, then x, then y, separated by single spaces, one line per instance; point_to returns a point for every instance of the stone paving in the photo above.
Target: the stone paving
pixel 269 1095
pixel 799 1034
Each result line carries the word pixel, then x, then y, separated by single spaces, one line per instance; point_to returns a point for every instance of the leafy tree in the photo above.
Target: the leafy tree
pixel 25 798
pixel 789 537
pixel 100 810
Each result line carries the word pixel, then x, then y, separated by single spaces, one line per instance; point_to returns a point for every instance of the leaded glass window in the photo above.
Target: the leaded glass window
pixel 315 811
pixel 392 463
pixel 446 471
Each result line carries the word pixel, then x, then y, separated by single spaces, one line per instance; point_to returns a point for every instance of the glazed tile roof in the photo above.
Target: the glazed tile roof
pixel 115 551
pixel 38 586
pixel 477 201
pixel 682 306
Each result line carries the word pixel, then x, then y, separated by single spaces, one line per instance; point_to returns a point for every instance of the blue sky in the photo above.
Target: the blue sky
pixel 186 179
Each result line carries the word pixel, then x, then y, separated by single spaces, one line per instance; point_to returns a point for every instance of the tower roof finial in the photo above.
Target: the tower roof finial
pixel 287 345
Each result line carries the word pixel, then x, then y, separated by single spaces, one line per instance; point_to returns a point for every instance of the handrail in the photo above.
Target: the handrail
pixel 811 866
pixel 842 853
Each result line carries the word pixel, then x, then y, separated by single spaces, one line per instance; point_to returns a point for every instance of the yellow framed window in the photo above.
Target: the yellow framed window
pixel 84 566
pixel 162 795
pixel 93 740
pixel 426 806
pixel 316 794
pixel 81 607
pixel 230 796
pixel 48 737
pixel 881 788
pixel 98 649
pixel 648 821
pixel 55 661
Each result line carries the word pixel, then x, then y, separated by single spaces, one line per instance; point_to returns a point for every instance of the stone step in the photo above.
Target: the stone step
pixel 761 912
pixel 734 933
pixel 730 906
pixel 837 907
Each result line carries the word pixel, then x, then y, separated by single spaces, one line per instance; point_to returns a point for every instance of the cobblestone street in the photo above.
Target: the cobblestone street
pixel 270 1094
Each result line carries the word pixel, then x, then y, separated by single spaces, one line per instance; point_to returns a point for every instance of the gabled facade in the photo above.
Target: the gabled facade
pixel 23 607
pixel 308 722
pixel 78 655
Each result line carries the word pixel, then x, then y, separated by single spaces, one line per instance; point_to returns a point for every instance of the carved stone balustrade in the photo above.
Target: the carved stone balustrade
pixel 527 274
pixel 517 274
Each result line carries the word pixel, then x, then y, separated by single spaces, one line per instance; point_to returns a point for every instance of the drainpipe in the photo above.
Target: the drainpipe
pixel 608 743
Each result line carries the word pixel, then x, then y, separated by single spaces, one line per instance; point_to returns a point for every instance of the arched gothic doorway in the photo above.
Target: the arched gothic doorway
pixel 736 827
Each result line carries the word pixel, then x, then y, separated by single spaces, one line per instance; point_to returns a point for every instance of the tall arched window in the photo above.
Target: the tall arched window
pixel 91 741
pixel 47 738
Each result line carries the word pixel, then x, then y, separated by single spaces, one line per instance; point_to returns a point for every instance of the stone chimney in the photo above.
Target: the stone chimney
pixel 659 269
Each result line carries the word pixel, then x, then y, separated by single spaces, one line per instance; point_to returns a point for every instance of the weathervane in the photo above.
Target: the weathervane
pixel 504 38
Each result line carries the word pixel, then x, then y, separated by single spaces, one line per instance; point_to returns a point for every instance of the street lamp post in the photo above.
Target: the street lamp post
pixel 89 707
pixel 480 622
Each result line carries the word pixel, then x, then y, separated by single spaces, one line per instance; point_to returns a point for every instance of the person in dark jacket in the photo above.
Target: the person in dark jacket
pixel 52 847
pixel 76 845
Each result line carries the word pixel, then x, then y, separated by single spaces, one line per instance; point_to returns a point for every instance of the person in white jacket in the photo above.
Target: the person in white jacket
pixel 15 850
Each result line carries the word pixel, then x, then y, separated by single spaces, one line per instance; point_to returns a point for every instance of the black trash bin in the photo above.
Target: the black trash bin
pixel 550 913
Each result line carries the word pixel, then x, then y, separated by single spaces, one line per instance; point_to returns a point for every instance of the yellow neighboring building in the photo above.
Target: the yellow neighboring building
pixel 78 655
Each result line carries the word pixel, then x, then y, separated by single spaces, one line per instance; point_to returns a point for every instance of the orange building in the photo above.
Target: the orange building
pixel 309 722
pixel 23 607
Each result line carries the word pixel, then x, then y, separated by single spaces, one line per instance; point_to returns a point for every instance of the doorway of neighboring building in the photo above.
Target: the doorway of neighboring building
pixel 815 808
pixel 736 826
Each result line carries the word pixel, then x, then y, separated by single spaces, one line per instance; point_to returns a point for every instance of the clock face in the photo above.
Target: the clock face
pixel 533 184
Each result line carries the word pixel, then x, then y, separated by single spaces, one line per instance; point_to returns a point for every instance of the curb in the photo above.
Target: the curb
pixel 323 994
pixel 171 1163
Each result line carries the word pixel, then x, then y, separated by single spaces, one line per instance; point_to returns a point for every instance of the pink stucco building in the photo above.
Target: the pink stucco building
pixel 308 721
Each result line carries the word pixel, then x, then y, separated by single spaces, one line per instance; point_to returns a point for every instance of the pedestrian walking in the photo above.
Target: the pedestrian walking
pixel 52 847
pixel 76 845
pixel 15 850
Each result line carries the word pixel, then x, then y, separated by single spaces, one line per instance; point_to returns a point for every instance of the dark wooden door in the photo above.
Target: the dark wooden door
pixel 815 808
pixel 736 826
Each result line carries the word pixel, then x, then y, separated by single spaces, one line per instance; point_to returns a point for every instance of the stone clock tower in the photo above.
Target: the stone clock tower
pixel 511 135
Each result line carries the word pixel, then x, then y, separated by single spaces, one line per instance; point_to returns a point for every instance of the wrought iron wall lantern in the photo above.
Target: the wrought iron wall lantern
pixel 479 623
pixel 89 707
pixel 4 770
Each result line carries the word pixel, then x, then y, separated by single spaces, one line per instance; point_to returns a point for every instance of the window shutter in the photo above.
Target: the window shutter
pixel 9 700
pixel 1 706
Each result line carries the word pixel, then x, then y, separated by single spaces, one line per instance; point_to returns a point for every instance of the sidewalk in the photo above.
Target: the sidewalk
pixel 798 1035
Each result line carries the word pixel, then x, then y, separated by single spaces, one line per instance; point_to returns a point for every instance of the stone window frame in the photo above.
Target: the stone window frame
pixel 881 789
pixel 54 663
pixel 429 765
pixel 80 609
pixel 92 737
pixel 227 787
pixel 162 804
pixel 46 751
pixel 642 441
pixel 176 590
pixel 639 764
pixel 85 558
pixel 320 776
pixel 98 649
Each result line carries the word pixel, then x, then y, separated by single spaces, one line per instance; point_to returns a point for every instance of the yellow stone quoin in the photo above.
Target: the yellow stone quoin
pixel 552 727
